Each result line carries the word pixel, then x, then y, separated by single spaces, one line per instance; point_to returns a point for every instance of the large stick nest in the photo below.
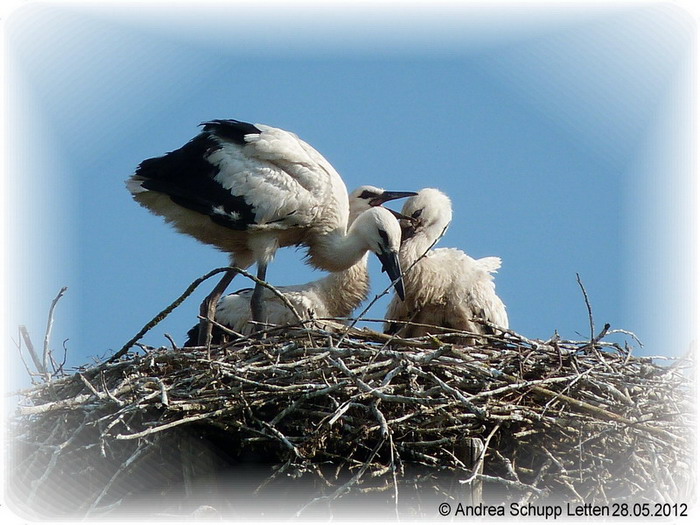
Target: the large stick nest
pixel 317 419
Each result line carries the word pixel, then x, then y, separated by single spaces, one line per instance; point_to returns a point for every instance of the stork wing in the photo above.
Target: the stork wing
pixel 245 176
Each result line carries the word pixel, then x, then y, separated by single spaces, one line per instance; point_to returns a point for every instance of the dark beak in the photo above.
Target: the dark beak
pixel 401 216
pixel 408 230
pixel 391 265
pixel 408 224
pixel 390 196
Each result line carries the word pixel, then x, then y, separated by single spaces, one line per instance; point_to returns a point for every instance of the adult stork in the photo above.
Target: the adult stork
pixel 249 189
pixel 446 287
pixel 335 295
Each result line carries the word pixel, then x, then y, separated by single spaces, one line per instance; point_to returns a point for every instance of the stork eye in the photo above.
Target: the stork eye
pixel 417 213
pixel 367 194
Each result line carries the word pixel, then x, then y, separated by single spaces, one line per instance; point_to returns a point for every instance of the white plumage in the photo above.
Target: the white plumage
pixel 447 287
pixel 250 189
pixel 336 295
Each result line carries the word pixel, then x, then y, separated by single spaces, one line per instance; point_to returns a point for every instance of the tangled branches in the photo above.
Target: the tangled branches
pixel 324 418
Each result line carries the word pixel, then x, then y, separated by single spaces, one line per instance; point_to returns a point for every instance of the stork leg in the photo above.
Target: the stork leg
pixel 208 308
pixel 257 308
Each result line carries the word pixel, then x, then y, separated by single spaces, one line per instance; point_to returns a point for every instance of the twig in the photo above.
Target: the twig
pixel 274 290
pixel 588 305
pixel 38 363
pixel 594 338
pixel 510 483
pixel 177 422
pixel 49 326
pixel 478 464
pixel 190 289
pixel 386 290
pixel 18 345
pixel 383 426
pixel 394 452
pixel 164 313
pixel 173 345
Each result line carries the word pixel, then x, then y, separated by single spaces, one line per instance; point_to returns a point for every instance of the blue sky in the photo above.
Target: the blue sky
pixel 562 134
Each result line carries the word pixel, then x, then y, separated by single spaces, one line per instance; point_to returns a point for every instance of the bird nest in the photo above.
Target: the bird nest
pixel 312 422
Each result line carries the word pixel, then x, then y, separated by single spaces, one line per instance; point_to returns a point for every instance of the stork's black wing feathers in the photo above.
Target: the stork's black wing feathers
pixel 187 177
pixel 229 129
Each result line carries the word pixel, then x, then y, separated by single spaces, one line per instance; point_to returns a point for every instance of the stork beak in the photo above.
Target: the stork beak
pixel 392 266
pixel 387 196
pixel 408 230
pixel 401 216
pixel 408 224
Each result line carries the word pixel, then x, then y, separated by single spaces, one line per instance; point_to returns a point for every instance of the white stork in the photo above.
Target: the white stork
pixel 249 189
pixel 336 295
pixel 447 287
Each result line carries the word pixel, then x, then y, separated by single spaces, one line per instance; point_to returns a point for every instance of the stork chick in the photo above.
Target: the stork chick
pixel 446 288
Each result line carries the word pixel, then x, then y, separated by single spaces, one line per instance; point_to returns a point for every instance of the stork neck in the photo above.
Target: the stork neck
pixel 414 248
pixel 337 251
pixel 345 290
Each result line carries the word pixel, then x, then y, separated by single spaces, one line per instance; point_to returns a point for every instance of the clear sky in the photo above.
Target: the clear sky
pixel 562 134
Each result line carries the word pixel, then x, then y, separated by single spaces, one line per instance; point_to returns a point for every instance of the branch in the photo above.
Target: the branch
pixel 588 305
pixel 49 326
pixel 190 289
pixel 386 290
pixel 594 338
pixel 38 363
pixel 164 313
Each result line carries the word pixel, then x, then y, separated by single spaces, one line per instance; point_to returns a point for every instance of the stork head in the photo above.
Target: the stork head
pixel 428 213
pixel 381 233
pixel 366 197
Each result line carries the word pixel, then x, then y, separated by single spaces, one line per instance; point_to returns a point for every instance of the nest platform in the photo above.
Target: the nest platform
pixel 311 422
